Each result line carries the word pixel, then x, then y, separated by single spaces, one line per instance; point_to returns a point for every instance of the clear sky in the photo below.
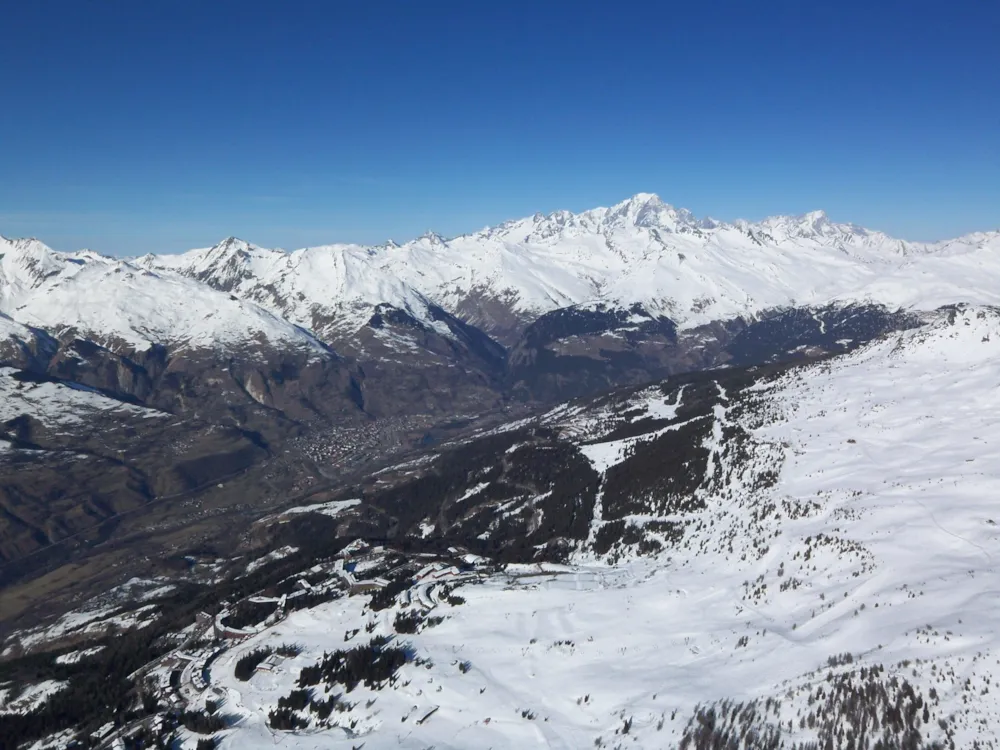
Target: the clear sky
pixel 160 125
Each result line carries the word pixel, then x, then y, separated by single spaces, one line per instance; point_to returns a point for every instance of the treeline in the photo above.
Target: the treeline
pixel 248 663
pixel 407 623
pixel 287 715
pixel 248 613
pixel 856 710
pixel 526 463
pixel 94 696
pixel 286 719
pixel 202 722
pixel 371 664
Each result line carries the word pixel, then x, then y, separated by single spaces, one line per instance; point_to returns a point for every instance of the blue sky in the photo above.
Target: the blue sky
pixel 157 126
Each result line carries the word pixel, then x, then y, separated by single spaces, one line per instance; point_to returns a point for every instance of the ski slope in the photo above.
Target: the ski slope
pixel 878 539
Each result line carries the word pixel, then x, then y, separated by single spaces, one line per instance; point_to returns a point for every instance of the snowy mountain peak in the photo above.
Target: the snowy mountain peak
pixel 640 250
pixel 637 203
pixel 646 198
pixel 27 263
pixel 124 304
pixel 815 217
pixel 24 246
pixel 643 210
pixel 431 238
pixel 647 210
pixel 816 227
pixel 229 242
pixel 232 245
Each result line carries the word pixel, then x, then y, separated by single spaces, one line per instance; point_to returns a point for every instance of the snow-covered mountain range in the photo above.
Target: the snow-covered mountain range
pixel 642 250
pixel 778 535
pixel 639 251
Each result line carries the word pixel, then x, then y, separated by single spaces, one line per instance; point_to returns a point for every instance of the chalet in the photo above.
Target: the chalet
pixel 368 585
pixel 270 664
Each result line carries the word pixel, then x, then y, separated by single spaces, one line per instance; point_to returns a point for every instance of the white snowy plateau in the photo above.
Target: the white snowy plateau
pixel 641 250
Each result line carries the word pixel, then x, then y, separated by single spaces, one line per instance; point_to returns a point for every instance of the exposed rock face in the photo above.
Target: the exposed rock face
pixel 24 347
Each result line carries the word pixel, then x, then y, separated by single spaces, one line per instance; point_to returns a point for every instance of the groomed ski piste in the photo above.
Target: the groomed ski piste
pixel 853 597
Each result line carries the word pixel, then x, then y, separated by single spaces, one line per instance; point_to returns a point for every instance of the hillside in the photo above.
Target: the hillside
pixel 798 555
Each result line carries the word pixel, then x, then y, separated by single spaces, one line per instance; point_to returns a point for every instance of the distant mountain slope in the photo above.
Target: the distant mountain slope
pixel 72 457
pixel 162 339
pixel 115 303
pixel 500 279
pixel 332 290
pixel 642 251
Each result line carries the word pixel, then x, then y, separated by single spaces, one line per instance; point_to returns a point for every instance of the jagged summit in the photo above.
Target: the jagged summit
pixel 650 211
pixel 230 243
pixel 431 237
pixel 814 217
pixel 119 302
pixel 647 210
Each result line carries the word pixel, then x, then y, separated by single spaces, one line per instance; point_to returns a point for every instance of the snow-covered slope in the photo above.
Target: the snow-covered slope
pixel 814 563
pixel 694 271
pixel 854 587
pixel 641 250
pixel 116 303
pixel 59 406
